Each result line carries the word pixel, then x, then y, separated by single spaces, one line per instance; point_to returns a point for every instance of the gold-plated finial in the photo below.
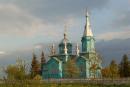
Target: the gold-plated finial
pixel 86 13
pixel 65 31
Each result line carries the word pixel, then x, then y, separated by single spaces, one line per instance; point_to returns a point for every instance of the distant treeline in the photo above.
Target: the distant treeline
pixel 114 70
pixel 23 71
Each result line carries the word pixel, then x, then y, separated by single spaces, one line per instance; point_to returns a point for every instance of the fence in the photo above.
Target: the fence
pixel 90 81
pixel 84 81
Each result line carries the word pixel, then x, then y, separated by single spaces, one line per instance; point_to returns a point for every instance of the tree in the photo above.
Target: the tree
pixel 11 72
pixel 43 61
pixel 17 71
pixel 35 66
pixel 70 69
pixel 124 67
pixel 106 72
pixel 113 69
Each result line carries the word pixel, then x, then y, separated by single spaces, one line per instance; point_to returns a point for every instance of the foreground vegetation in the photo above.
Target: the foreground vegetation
pixel 23 75
pixel 37 84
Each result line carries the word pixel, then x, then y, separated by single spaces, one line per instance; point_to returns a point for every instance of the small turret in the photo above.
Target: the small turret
pixel 65 49
pixel 77 49
pixel 53 50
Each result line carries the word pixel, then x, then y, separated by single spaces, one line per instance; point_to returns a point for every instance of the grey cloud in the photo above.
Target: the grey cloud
pixel 16 21
pixel 56 9
pixel 122 19
pixel 19 22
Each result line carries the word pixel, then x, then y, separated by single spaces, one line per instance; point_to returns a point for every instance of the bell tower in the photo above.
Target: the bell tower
pixel 88 41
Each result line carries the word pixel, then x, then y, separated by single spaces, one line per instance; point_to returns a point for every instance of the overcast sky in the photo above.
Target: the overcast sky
pixel 24 23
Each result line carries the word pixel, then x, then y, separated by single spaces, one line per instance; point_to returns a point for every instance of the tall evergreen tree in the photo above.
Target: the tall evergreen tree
pixel 43 61
pixel 124 67
pixel 113 69
pixel 35 67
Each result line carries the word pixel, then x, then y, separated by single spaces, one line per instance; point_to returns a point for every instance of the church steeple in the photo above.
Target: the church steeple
pixel 88 41
pixel 87 30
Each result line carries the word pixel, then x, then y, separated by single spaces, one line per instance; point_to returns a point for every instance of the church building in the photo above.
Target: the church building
pixel 87 61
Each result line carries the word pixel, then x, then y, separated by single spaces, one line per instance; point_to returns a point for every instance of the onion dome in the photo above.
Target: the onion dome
pixel 65 41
